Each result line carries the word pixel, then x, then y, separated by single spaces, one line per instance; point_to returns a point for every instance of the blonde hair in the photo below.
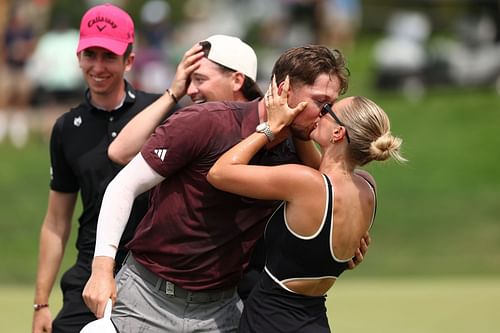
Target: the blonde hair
pixel 369 130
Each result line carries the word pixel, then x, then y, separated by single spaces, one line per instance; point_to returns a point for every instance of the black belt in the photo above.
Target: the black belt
pixel 172 290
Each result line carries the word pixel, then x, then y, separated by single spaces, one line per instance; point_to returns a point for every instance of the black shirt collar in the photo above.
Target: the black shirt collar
pixel 130 96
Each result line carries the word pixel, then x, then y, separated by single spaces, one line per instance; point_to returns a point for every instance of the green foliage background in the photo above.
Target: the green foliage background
pixel 438 216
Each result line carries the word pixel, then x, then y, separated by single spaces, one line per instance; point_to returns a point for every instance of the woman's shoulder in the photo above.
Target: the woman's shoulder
pixel 367 177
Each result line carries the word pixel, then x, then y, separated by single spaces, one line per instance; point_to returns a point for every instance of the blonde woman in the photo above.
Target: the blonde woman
pixel 312 236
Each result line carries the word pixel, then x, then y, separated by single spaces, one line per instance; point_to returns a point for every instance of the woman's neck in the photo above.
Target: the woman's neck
pixel 336 163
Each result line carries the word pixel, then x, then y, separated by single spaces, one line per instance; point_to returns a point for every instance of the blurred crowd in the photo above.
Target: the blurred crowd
pixel 410 59
pixel 39 70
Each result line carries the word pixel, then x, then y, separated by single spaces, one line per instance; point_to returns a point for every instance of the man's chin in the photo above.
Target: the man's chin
pixel 301 133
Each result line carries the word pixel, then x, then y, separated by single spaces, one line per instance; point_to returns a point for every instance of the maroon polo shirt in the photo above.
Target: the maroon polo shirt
pixel 193 234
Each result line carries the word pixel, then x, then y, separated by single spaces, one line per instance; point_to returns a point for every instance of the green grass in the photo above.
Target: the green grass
pixel 439 213
pixel 415 305
pixel 354 305
pixel 24 186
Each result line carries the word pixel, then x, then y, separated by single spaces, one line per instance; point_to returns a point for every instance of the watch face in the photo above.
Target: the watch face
pixel 264 128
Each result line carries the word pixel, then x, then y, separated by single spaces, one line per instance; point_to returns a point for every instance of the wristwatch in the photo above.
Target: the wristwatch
pixel 264 128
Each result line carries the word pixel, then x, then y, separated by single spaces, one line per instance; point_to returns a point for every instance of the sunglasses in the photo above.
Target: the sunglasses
pixel 328 109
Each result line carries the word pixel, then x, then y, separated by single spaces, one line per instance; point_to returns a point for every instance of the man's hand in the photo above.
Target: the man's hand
pixel 42 321
pixel 361 251
pixel 101 286
pixel 189 63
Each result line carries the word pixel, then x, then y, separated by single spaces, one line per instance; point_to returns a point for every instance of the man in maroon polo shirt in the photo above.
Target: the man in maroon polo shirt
pixel 219 68
pixel 190 249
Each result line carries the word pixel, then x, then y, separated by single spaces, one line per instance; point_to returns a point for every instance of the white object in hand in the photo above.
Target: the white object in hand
pixel 103 325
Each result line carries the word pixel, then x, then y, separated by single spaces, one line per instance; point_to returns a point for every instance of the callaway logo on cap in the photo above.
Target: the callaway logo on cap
pixel 106 26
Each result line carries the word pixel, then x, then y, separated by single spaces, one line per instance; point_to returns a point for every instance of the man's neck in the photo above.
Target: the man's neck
pixel 108 102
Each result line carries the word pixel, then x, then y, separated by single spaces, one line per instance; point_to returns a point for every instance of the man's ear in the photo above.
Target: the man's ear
pixel 280 87
pixel 238 81
pixel 129 62
pixel 78 57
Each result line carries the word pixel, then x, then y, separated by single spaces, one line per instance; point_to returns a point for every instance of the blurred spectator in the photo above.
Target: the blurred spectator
pixel 153 71
pixel 4 14
pixel 268 30
pixel 304 27
pixel 339 22
pixel 206 17
pixel 401 56
pixel 15 87
pixel 53 68
pixel 408 60
pixel 473 57
pixel 488 8
pixel 155 27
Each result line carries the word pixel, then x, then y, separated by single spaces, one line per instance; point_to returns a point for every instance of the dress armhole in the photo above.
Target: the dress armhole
pixel 374 192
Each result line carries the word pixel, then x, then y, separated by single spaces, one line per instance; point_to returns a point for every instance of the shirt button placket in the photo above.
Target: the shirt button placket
pixel 113 133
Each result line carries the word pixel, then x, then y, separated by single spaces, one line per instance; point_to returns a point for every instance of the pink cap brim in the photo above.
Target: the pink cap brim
pixel 114 46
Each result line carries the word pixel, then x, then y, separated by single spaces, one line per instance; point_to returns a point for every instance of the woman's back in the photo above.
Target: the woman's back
pixel 311 239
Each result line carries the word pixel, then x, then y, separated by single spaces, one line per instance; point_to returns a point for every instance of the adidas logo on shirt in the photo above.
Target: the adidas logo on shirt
pixel 161 153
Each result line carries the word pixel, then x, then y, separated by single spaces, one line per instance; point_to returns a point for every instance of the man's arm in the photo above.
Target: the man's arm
pixel 134 179
pixel 54 235
pixel 131 138
pixel 360 253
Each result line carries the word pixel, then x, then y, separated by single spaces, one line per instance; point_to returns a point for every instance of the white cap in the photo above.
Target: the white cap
pixel 234 54
pixel 103 325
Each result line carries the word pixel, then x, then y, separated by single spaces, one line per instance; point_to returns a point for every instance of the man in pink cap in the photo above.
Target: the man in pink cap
pixel 79 163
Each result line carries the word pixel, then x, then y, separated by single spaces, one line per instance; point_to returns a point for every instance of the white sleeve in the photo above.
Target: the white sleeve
pixel 135 178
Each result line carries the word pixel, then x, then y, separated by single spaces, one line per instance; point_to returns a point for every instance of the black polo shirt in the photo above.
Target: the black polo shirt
pixel 79 161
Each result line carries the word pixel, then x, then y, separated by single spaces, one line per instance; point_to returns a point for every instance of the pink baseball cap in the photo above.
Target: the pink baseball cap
pixel 106 26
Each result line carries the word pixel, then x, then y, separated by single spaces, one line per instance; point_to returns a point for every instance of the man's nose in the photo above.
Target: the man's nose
pixel 192 89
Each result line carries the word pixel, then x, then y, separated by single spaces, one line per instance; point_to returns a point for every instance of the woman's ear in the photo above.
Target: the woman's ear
pixel 338 134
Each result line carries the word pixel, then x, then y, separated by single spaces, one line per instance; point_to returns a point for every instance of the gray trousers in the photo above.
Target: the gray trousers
pixel 143 307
